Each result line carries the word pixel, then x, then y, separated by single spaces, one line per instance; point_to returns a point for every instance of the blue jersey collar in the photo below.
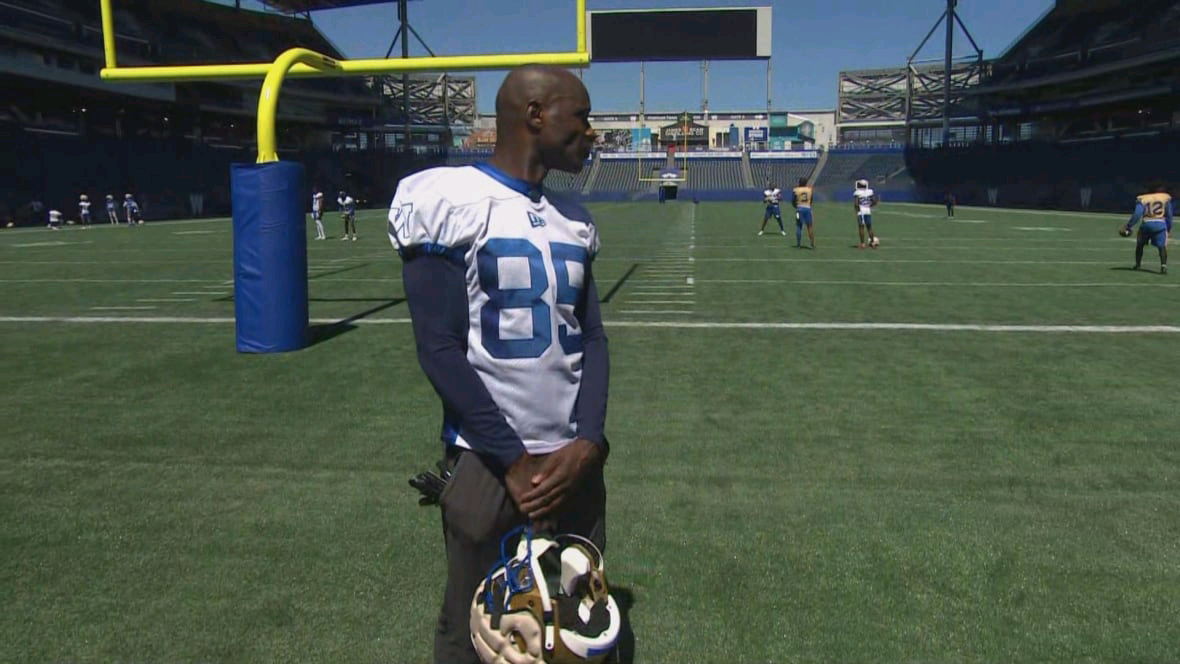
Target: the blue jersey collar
pixel 533 191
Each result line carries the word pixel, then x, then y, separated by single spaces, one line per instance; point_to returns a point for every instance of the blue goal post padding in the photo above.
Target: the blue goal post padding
pixel 270 257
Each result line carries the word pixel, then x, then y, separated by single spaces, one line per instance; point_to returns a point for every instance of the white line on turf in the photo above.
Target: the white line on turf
pixel 963 284
pixel 163 299
pixel 704 325
pixel 49 244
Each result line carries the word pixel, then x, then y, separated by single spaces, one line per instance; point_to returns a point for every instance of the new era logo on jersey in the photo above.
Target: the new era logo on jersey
pixel 536 221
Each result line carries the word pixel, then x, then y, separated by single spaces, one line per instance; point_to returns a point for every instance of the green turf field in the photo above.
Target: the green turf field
pixel 961 447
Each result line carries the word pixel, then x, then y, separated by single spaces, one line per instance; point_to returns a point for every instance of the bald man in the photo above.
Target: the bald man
pixel 499 282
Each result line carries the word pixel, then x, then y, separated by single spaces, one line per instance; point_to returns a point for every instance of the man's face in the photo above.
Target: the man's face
pixel 566 137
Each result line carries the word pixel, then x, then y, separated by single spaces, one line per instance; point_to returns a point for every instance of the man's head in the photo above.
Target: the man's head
pixel 545 111
pixel 802 182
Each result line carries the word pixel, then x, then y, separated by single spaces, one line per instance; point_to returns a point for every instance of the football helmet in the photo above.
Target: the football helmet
pixel 862 184
pixel 548 604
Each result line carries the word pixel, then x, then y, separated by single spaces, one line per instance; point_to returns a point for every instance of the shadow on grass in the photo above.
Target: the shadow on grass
pixel 321 332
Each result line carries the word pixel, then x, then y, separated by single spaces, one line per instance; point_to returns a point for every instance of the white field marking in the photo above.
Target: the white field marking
pixel 194 232
pixel 107 281
pixel 963 284
pixel 690 281
pixel 641 301
pixel 1002 210
pixel 121 308
pixel 884 261
pixel 163 299
pixel 897 244
pixel 120 261
pixel 106 226
pixel 1048 229
pixel 48 244
pixel 646 312
pixel 956 220
pixel 998 241
pixel 702 325
pixel 209 293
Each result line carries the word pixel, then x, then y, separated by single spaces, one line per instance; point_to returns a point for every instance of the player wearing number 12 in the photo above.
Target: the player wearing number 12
pixel 1155 211
pixel 499 282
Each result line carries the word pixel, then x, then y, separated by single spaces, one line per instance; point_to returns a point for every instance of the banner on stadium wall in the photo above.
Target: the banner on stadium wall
pixel 676 133
pixel 780 143
pixel 680 154
pixel 803 154
pixel 778 119
pixel 756 134
pixel 632 155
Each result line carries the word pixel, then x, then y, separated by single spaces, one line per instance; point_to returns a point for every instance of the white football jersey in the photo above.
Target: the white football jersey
pixel 317 202
pixel 772 196
pixel 864 200
pixel 525 257
pixel 54 216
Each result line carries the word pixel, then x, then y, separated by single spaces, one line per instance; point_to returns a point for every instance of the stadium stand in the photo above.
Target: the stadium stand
pixel 1077 35
pixel 162 142
pixel 784 172
pixel 714 175
pixel 1084 101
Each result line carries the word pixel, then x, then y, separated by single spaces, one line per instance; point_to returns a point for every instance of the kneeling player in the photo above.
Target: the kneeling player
pixel 864 200
pixel 1155 211
pixel 802 202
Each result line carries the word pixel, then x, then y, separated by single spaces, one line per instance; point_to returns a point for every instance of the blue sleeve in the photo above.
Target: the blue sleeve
pixel 436 293
pixel 590 411
pixel 1136 215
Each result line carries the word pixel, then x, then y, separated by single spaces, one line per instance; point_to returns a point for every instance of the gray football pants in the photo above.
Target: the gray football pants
pixel 476 513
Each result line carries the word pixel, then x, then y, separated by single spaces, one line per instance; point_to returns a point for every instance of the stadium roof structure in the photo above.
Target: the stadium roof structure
pixel 299 6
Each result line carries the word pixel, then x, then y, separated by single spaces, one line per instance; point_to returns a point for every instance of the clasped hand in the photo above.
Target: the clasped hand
pixel 541 484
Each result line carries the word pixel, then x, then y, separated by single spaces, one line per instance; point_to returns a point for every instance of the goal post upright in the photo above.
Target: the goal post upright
pixel 269 225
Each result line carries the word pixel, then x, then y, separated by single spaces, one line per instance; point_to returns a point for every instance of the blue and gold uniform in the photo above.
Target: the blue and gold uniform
pixel 801 199
pixel 1154 210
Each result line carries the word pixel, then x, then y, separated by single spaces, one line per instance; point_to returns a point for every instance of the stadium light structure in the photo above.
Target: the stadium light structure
pixel 306 63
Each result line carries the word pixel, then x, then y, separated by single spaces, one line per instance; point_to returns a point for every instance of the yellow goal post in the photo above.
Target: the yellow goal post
pixel 300 62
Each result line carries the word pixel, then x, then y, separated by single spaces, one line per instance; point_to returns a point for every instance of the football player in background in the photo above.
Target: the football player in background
pixel 801 200
pixel 949 199
pixel 772 196
pixel 317 214
pixel 1155 211
pixel 348 213
pixel 132 209
pixel 864 200
pixel 524 397
pixel 55 219
pixel 84 210
pixel 112 215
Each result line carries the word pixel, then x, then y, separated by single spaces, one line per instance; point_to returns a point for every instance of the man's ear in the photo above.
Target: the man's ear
pixel 533 115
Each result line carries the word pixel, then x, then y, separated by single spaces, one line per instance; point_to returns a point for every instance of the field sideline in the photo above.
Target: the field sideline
pixel 958 447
